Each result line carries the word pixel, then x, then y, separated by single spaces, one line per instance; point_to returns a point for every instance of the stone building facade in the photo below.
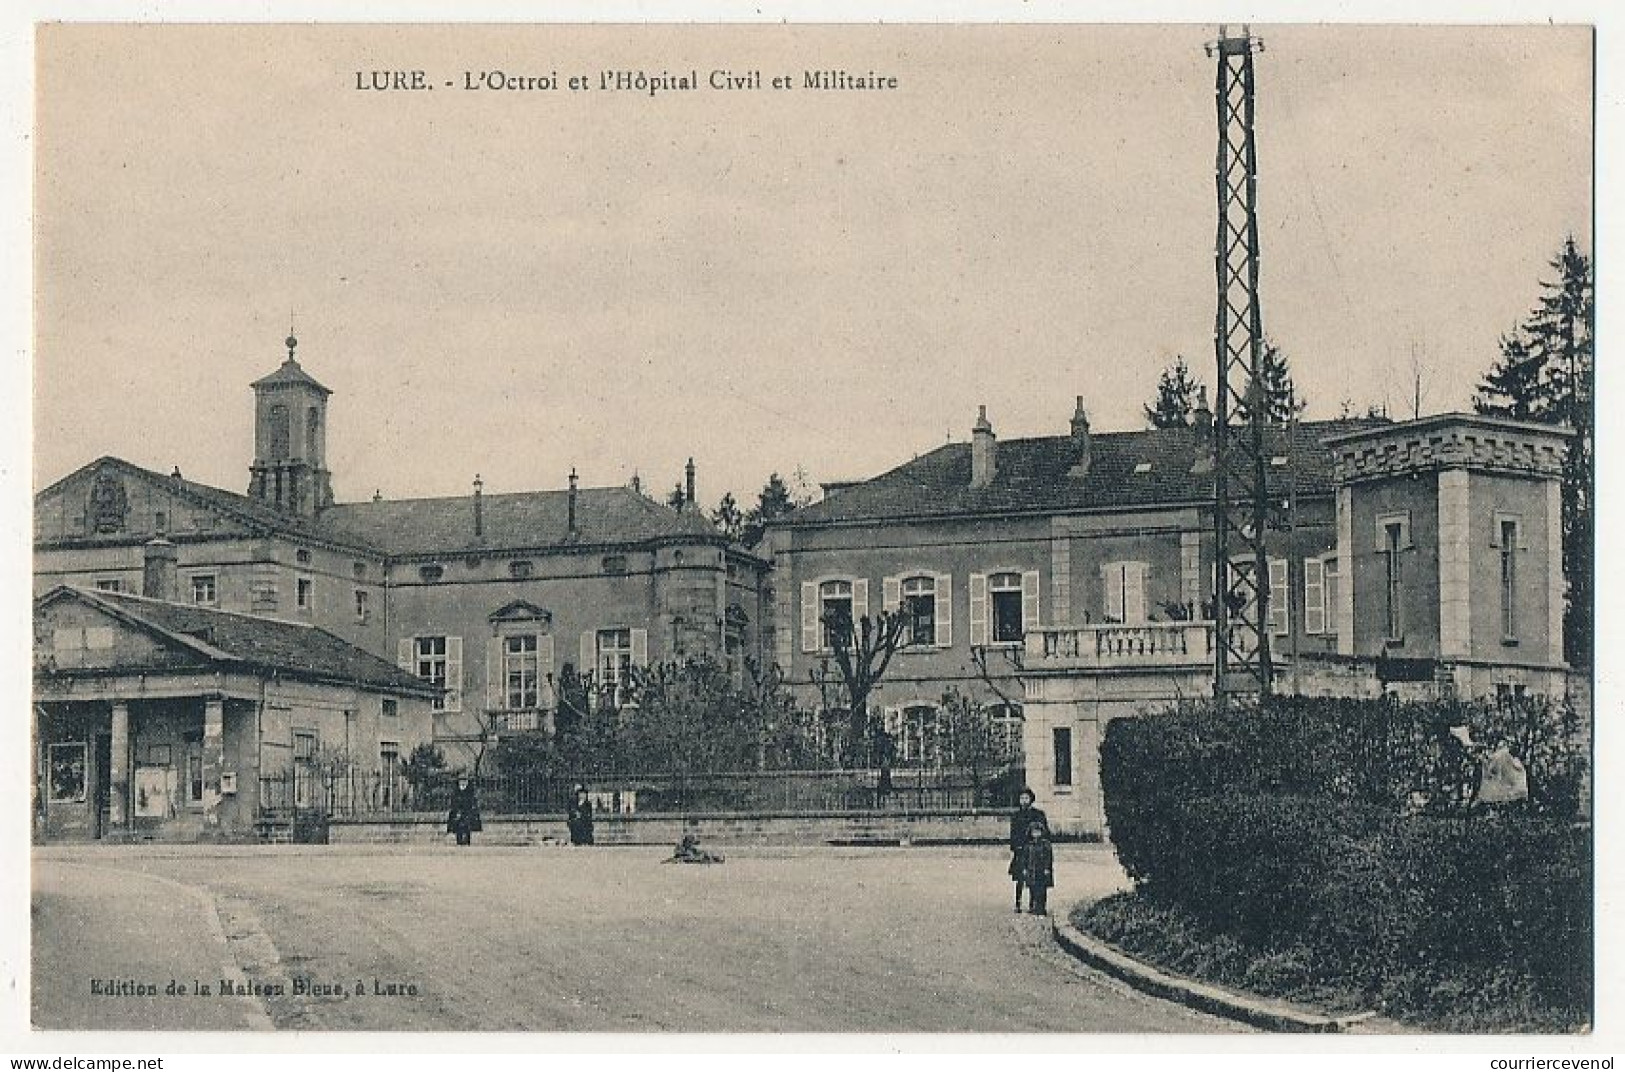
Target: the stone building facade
pixel 486 597
pixel 1063 581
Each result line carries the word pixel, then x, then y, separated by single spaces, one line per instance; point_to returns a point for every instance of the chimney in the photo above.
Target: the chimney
pixel 158 574
pixel 688 483
pixel 572 500
pixel 479 507
pixel 1083 455
pixel 983 451
pixel 1202 433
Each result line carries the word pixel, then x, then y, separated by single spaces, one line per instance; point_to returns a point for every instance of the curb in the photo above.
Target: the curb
pixel 1210 999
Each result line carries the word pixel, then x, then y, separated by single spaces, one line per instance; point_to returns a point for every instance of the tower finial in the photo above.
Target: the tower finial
pixel 292 342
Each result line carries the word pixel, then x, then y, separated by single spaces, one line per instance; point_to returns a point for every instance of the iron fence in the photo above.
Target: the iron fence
pixel 358 794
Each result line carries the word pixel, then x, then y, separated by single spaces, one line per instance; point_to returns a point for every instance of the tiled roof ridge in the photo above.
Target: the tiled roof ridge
pixel 200 608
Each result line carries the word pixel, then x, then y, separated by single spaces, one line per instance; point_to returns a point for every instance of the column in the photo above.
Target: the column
pixel 119 787
pixel 214 757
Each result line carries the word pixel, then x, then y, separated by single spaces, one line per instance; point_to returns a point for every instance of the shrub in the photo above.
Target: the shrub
pixel 1284 828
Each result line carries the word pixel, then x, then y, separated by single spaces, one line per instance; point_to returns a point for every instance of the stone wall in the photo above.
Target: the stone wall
pixel 845 828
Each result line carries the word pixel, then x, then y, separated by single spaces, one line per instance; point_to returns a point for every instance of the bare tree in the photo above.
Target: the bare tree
pixel 862 650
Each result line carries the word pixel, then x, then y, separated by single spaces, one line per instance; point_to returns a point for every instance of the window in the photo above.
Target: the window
pixel 304 593
pixel 109 584
pixel 67 773
pixel 360 604
pixel 1508 539
pixel 1005 724
pixel 1280 597
pixel 302 557
pixel 614 563
pixel 391 708
pixel 835 612
pixel 431 572
pixel 1124 588
pixel 1508 693
pixel 431 662
pixel 1393 543
pixel 519 671
pixel 1004 595
pixel 920 744
pixel 1063 755
pixel 203 589
pixel 614 661
pixel 919 609
pixel 520 568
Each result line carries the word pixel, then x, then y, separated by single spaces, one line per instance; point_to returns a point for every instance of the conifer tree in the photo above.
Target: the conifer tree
pixel 1546 373
pixel 1176 396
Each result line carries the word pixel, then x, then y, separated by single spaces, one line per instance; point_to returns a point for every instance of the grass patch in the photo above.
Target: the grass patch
pixel 1467 1001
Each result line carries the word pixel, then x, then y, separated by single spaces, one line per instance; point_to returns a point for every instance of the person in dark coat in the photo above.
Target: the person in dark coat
pixel 464 818
pixel 579 817
pixel 1021 823
pixel 1039 869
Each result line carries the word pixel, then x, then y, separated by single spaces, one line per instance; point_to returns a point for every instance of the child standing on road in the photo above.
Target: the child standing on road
pixel 1038 869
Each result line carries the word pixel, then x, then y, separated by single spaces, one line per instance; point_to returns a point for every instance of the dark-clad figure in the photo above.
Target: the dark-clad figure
pixel 579 817
pixel 1021 823
pixel 1040 868
pixel 464 818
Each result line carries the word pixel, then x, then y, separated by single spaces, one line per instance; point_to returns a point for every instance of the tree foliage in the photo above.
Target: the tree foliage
pixel 1176 396
pixel 1546 373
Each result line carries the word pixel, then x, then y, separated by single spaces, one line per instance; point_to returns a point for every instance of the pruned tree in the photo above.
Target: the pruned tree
pixel 861 650
pixel 1546 372
pixel 1176 396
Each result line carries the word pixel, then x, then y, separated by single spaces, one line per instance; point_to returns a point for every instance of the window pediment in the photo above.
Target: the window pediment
pixel 521 610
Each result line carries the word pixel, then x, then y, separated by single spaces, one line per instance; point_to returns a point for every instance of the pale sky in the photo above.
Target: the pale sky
pixel 515 283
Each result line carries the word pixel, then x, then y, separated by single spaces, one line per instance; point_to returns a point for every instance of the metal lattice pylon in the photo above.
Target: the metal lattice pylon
pixel 1241 661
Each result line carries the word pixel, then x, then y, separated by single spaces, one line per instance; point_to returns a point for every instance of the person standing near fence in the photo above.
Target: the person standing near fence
pixel 1021 823
pixel 464 818
pixel 579 817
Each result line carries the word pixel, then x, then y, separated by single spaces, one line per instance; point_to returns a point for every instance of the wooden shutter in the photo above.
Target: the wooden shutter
pixel 544 670
pixel 860 601
pixel 1279 610
pixel 945 610
pixel 403 655
pixel 454 673
pixel 978 609
pixel 811 638
pixel 1134 593
pixel 1111 579
pixel 640 647
pixel 1314 595
pixel 891 593
pixel 495 700
pixel 589 653
pixel 1029 600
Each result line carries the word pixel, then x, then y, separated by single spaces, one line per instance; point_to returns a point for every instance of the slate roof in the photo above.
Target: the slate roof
pixel 1032 476
pixel 522 520
pixel 290 371
pixel 256 643
pixel 516 521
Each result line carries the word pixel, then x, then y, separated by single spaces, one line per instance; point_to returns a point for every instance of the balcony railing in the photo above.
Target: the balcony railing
pixel 1120 647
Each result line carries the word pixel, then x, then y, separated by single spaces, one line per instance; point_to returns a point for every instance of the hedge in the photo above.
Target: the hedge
pixel 1297 826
